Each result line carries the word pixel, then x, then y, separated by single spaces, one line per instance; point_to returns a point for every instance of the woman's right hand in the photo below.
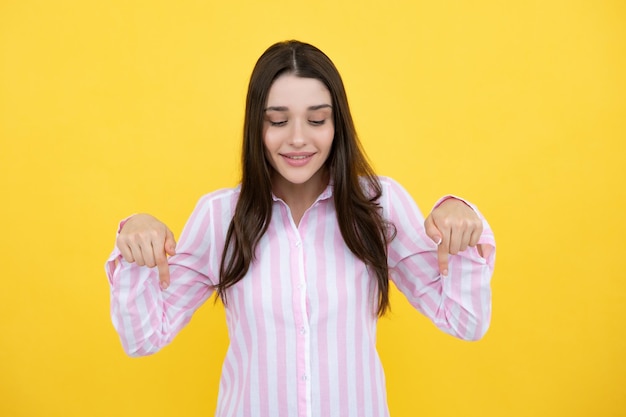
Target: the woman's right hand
pixel 147 241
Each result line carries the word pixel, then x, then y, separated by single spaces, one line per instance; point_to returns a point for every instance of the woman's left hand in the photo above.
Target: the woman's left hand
pixel 453 226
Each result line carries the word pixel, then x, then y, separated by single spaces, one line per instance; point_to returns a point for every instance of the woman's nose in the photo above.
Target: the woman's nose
pixel 297 135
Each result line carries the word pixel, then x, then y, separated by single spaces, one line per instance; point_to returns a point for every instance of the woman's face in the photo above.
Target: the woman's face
pixel 298 131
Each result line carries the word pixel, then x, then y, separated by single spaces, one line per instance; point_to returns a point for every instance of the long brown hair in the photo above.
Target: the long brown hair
pixel 356 187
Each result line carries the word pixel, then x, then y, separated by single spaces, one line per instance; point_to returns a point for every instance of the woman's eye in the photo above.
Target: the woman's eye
pixel 317 122
pixel 281 123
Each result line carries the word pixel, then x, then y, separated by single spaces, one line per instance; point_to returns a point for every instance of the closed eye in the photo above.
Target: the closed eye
pixel 281 123
pixel 317 122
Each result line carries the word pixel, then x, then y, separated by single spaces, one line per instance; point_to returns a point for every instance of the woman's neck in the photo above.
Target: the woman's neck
pixel 299 197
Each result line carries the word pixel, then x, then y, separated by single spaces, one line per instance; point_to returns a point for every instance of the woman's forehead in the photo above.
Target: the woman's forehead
pixel 290 90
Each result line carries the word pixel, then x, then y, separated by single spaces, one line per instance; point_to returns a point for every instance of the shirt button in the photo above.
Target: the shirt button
pixel 305 377
pixel 298 244
pixel 302 330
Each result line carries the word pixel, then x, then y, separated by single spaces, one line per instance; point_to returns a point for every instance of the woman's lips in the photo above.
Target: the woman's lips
pixel 297 159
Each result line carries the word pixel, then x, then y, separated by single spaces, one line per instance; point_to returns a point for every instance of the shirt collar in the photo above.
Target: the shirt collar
pixel 325 195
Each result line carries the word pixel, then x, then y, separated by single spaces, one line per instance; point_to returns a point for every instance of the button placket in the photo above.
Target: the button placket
pixel 301 323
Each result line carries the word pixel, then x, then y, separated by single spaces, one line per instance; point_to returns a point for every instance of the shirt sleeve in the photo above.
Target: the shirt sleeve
pixel 146 317
pixel 459 304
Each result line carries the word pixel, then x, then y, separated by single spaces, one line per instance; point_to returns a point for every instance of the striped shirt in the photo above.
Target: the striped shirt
pixel 302 322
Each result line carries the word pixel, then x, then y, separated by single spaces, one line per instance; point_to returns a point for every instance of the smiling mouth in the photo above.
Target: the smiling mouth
pixel 297 157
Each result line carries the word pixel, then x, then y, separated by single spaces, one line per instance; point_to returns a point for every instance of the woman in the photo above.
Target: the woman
pixel 301 254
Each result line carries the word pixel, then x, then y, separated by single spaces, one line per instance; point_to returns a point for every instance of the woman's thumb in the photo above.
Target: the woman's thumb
pixel 431 230
pixel 170 243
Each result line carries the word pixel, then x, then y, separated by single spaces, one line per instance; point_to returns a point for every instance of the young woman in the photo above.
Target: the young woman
pixel 301 253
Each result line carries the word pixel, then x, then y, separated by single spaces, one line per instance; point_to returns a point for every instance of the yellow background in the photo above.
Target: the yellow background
pixel 114 107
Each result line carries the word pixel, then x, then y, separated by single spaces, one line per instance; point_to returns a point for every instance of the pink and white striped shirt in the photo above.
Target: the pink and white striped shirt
pixel 302 322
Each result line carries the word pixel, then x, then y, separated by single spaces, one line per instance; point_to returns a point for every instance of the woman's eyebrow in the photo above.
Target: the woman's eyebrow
pixel 276 108
pixel 285 108
pixel 320 106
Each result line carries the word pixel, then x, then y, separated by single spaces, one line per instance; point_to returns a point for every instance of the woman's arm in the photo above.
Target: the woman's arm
pixel 148 315
pixel 459 302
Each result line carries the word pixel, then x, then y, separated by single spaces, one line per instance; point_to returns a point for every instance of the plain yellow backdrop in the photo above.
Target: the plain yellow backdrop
pixel 110 108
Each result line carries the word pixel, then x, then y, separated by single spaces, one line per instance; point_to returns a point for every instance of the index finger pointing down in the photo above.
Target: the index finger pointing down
pixel 164 270
pixel 442 257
